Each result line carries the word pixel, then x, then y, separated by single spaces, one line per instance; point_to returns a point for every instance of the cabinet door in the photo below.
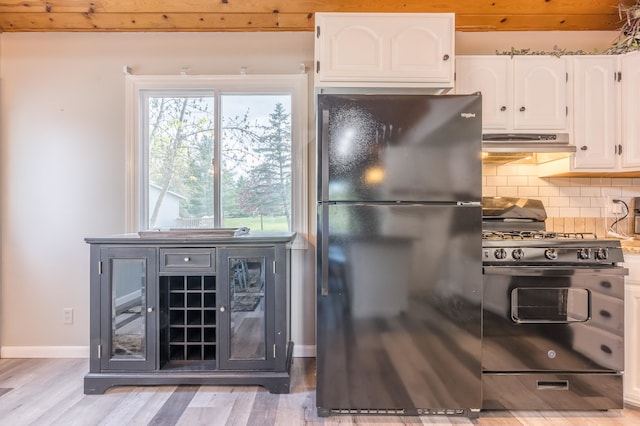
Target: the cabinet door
pixel 128 312
pixel 246 308
pixel 540 93
pixel 379 47
pixel 630 108
pixel 595 112
pixel 490 75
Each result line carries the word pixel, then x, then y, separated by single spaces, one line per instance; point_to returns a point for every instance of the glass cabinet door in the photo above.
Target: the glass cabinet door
pixel 245 309
pixel 128 324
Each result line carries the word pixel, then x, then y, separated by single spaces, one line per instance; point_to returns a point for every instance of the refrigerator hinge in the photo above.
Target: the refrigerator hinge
pixel 100 267
pixel 99 351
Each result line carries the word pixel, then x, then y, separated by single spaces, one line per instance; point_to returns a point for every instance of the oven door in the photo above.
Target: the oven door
pixel 541 319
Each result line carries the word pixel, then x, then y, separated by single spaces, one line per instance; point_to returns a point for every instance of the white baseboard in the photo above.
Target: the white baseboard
pixel 44 352
pixel 299 351
pixel 304 351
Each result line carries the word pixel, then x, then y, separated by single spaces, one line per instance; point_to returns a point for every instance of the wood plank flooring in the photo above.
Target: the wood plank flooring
pixel 50 392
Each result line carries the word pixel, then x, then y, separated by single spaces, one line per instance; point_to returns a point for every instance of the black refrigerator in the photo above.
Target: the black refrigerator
pixel 399 267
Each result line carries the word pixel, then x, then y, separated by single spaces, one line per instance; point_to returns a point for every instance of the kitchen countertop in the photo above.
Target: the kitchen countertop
pixel 630 246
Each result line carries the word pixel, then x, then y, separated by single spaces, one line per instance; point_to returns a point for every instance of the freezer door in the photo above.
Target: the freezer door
pixel 399 307
pixel 399 147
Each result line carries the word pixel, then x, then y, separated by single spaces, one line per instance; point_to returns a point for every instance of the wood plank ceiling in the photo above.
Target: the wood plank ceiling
pixel 296 15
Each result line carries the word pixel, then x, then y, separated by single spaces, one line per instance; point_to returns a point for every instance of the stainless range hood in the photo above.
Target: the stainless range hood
pixel 525 148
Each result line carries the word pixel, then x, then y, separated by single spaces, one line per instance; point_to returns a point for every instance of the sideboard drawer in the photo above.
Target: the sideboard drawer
pixel 188 260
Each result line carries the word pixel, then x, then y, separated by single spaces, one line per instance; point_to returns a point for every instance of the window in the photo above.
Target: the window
pixel 217 151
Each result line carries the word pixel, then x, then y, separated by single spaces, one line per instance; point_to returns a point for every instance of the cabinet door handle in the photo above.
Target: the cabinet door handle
pixel 187 259
pixel 445 57
pixel 222 309
pixel 150 309
pixel 503 108
pixel 583 148
pixel 522 108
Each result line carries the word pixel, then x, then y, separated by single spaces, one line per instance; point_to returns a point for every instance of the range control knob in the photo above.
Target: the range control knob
pixel 500 254
pixel 517 254
pixel 584 253
pixel 551 254
pixel 602 253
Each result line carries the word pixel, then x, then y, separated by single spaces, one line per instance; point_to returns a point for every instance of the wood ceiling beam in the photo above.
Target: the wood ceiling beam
pixel 295 15
pixel 471 7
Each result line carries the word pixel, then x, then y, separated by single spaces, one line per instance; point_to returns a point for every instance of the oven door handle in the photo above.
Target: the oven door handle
pixel 552 271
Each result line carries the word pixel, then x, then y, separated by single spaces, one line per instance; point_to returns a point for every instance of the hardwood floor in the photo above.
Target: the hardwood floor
pixel 50 392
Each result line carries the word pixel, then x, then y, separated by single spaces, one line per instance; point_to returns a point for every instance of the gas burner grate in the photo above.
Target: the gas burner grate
pixel 537 235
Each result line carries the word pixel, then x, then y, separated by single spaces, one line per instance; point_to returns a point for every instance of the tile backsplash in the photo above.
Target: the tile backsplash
pixel 573 204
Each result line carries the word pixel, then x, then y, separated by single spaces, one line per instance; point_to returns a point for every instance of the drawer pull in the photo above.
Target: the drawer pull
pixel 605 314
pixel 605 284
pixel 552 385
pixel 187 259
pixel 606 349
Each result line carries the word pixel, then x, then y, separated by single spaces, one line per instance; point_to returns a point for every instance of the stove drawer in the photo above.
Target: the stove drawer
pixel 607 313
pixel 604 348
pixel 551 391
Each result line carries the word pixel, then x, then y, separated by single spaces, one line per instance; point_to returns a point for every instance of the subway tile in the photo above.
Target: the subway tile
pixel 561 181
pixel 552 211
pixel 601 181
pixel 580 181
pixel 590 212
pixel 549 190
pixel 507 170
pixel 579 202
pixel 527 191
pixel 590 191
pixel 598 202
pixel 569 191
pixel 527 169
pixel 506 191
pixel 569 211
pixel 489 191
pixel 623 182
pixel 558 202
pixel 518 180
pixel 497 180
pixel 536 181
pixel 489 170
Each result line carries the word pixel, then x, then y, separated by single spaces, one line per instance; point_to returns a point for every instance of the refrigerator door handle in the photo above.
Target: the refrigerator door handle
pixel 324 153
pixel 324 241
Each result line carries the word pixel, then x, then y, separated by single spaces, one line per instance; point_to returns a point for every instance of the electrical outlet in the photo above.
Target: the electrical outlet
pixel 616 208
pixel 68 315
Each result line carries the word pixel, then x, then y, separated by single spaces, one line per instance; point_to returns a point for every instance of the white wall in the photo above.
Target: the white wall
pixel 63 168
pixel 62 158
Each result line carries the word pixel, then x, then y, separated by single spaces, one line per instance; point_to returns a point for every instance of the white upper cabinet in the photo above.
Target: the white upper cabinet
pixel 492 76
pixel 523 93
pixel 630 143
pixel 384 50
pixel 540 93
pixel 596 112
pixel 606 130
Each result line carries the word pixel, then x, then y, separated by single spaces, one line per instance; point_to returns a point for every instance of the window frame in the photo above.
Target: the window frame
pixel 135 150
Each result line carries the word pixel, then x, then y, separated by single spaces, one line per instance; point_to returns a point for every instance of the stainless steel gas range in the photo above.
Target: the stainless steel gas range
pixel 553 314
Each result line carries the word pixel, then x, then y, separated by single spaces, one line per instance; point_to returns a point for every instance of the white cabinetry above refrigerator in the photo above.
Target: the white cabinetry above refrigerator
pixel 384 50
